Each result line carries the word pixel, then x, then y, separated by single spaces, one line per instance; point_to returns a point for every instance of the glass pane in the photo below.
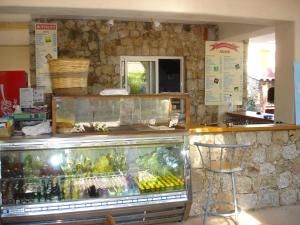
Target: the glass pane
pixel 69 174
pixel 141 77
pixel 169 75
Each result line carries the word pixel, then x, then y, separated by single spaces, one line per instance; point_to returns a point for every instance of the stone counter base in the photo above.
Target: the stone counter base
pixel 271 175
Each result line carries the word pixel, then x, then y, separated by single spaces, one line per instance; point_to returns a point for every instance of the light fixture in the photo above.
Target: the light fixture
pixel 110 23
pixel 156 25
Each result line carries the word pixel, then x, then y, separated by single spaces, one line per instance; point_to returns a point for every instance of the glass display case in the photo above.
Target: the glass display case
pixel 142 177
pixel 116 114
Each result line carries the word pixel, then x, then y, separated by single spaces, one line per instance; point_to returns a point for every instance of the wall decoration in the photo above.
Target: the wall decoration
pixel 45 49
pixel 223 73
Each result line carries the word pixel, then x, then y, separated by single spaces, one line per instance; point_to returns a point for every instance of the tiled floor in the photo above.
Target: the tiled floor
pixel 287 215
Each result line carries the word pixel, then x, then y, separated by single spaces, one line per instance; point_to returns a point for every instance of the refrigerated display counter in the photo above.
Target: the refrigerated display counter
pixel 99 179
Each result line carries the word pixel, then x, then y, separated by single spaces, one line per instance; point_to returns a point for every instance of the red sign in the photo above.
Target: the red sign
pixel 224 45
pixel 45 26
pixel 10 83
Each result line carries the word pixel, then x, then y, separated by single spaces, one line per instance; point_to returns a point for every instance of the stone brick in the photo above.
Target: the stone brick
pixel 195 157
pixel 247 201
pixel 268 182
pixel 268 198
pixel 198 183
pixel 292 136
pixel 259 155
pixel 284 180
pixel 70 24
pixel 107 69
pixel 204 138
pixel 225 138
pixel 134 33
pixel 170 51
pixel 296 179
pixel 273 152
pixel 92 45
pixel 264 137
pixel 296 165
pixel 123 33
pixel 199 200
pixel 246 137
pixel 280 137
pixel 244 184
pixel 225 183
pixel 267 169
pixel 290 152
pixel 288 197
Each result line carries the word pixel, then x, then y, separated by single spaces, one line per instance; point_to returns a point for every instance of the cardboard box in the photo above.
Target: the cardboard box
pixel 6 132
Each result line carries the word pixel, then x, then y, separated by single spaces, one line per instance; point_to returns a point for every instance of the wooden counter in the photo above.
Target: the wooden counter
pixel 196 128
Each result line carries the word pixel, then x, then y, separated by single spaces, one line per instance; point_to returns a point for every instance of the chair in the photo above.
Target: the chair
pixel 222 159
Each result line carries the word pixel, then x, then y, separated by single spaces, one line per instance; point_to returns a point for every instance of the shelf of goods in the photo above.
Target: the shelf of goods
pixel 136 179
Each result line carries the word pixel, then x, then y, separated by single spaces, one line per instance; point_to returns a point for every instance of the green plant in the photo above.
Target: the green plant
pixel 250 104
pixel 135 81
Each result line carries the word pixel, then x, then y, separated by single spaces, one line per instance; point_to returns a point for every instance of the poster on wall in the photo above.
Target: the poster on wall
pixel 45 49
pixel 223 73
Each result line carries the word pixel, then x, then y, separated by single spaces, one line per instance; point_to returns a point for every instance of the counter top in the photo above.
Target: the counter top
pixel 196 128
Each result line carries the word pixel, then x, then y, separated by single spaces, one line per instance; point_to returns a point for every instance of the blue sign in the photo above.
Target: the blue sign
pixel 297 90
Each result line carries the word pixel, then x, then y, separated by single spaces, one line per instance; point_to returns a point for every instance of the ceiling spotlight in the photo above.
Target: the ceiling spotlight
pixel 110 22
pixel 156 24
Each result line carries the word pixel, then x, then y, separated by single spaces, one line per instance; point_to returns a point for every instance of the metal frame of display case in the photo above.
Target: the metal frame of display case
pixel 137 209
pixel 180 96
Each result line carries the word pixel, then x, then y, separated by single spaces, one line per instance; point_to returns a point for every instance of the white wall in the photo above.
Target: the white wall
pixel 14 58
pixel 284 82
pixel 240 32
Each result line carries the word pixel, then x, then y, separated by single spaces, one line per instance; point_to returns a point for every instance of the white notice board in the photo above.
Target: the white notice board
pixel 45 49
pixel 223 72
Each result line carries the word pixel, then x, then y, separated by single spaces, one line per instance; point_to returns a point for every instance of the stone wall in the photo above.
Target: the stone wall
pixel 104 45
pixel 271 175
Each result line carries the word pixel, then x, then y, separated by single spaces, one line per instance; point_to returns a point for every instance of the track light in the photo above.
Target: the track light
pixel 110 22
pixel 156 25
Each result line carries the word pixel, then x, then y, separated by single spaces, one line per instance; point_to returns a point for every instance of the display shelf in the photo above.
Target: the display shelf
pixel 67 175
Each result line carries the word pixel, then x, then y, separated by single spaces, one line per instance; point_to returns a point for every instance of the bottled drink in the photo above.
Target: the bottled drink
pixel 39 193
pixel 54 189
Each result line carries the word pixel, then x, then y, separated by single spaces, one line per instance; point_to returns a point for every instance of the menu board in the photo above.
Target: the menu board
pixel 223 73
pixel 45 49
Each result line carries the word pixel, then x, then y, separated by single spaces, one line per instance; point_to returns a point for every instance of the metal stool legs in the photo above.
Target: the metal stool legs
pixel 234 198
pixel 222 159
pixel 210 200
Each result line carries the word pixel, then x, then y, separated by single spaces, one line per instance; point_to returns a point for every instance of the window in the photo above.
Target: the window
pixel 151 74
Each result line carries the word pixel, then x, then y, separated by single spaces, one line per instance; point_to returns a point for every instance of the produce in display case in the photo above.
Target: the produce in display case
pixel 107 114
pixel 66 174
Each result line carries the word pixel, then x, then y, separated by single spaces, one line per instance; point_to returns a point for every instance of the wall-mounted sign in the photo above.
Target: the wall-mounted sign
pixel 297 90
pixel 45 49
pixel 223 73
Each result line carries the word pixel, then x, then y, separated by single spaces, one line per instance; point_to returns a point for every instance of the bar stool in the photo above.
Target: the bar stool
pixel 222 159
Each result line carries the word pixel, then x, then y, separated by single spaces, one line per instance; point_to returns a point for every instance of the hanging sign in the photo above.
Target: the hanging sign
pixel 223 73
pixel 45 49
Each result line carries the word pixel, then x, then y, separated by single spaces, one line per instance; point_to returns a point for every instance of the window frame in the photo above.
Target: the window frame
pixel 155 59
